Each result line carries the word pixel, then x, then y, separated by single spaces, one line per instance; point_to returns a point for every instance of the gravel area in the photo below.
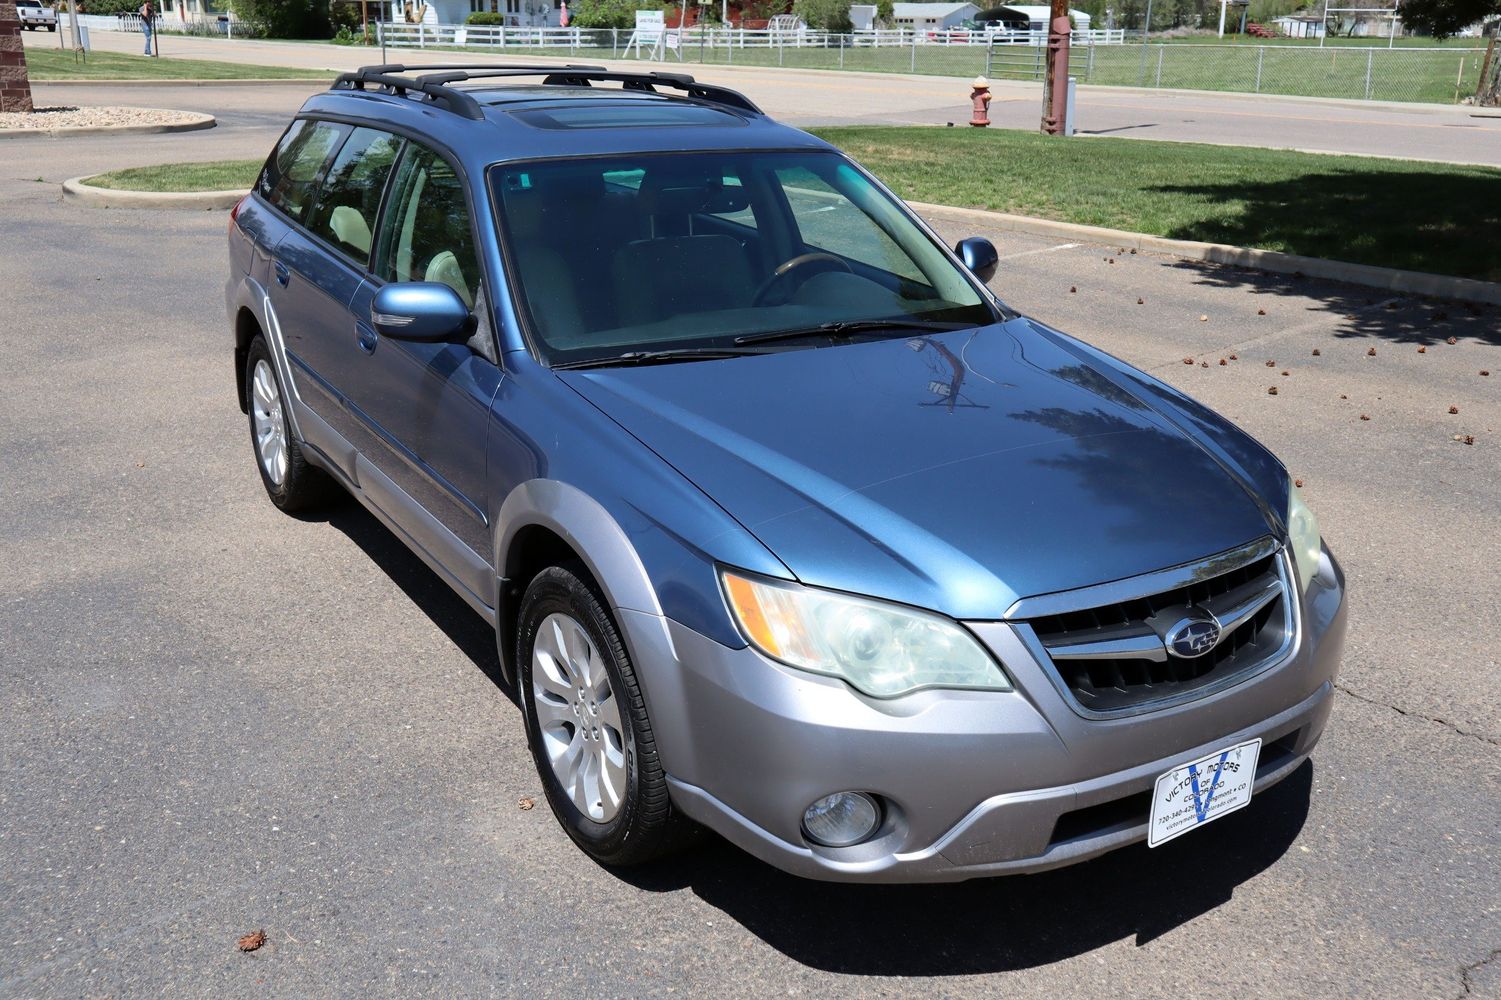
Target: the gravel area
pixel 69 117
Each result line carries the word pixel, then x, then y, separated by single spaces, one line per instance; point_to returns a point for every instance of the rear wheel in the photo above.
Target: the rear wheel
pixel 291 483
pixel 587 726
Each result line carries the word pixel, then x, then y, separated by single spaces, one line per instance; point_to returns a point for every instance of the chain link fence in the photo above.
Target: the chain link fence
pixel 1435 76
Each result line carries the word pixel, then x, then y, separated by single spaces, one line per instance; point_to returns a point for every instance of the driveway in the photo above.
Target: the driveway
pixel 215 718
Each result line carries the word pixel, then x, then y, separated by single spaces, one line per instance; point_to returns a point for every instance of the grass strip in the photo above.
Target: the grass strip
pixel 58 64
pixel 215 175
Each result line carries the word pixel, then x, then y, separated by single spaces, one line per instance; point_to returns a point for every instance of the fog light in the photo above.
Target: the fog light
pixel 841 819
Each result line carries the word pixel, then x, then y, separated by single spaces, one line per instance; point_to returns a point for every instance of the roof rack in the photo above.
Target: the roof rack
pixel 395 78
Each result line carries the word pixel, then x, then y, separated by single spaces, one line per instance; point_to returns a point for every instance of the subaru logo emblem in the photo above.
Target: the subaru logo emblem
pixel 1192 637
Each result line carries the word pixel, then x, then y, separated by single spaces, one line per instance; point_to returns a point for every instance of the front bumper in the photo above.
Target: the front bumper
pixel 976 783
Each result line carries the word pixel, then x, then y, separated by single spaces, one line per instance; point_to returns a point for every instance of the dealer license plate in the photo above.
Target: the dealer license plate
pixel 1195 793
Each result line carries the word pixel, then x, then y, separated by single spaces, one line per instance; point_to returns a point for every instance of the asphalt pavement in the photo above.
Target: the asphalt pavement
pixel 215 718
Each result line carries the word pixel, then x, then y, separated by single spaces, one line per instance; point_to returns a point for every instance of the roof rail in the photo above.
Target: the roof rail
pixel 396 79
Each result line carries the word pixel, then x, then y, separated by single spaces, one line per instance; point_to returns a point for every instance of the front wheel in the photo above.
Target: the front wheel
pixel 587 727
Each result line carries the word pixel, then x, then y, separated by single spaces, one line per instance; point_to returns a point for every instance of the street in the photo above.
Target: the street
pixel 215 718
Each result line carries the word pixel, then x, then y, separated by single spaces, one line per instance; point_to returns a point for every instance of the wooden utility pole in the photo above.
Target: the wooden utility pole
pixel 15 83
pixel 1055 85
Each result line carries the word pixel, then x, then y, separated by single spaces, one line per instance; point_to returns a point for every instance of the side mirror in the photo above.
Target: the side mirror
pixel 426 311
pixel 979 256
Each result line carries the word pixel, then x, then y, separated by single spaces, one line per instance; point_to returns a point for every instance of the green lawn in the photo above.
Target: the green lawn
pixel 217 175
pixel 1392 213
pixel 57 64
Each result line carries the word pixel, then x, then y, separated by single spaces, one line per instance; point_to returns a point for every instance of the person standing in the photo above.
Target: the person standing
pixel 147 13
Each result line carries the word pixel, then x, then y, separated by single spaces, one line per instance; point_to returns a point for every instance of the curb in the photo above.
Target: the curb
pixel 195 82
pixel 75 190
pixel 199 121
pixel 1385 278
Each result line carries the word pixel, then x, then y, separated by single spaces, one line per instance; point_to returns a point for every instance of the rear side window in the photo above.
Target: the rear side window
pixel 349 198
pixel 287 180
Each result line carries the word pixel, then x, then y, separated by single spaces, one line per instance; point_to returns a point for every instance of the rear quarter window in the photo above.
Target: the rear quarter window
pixel 288 179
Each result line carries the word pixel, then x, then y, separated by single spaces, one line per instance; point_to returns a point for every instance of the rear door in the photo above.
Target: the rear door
pixel 308 292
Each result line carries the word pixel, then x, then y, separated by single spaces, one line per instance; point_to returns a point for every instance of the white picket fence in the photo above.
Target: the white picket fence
pixel 618 39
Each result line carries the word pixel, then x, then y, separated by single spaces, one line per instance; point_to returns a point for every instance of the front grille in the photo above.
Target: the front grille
pixel 1112 658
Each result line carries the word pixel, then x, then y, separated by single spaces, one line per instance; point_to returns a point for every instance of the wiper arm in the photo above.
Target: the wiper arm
pixel 655 357
pixel 843 327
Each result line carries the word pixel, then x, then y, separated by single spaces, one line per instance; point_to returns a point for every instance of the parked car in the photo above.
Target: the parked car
pixel 33 14
pixel 787 525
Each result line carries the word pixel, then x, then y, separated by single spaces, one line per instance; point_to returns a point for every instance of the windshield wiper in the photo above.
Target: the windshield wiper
pixel 655 357
pixel 844 327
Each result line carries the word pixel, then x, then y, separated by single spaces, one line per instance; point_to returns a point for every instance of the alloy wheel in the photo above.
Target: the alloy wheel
pixel 578 717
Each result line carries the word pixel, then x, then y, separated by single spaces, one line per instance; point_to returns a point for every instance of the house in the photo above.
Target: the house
pixel 1300 25
pixel 932 16
pixel 518 13
pixel 1028 17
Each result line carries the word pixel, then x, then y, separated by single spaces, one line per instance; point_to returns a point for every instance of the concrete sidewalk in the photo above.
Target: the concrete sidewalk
pixel 823 97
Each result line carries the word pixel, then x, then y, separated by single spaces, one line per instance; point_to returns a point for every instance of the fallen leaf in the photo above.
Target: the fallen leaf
pixel 1343 396
pixel 1422 350
pixel 1203 364
pixel 1203 319
pixel 1141 302
pixel 1452 340
pixel 1371 353
pixel 1453 409
pixel 1072 289
pixel 1271 391
pixel 1188 361
pixel 1286 372
pixel 1133 250
pixel 526 804
pixel 1223 361
pixel 1235 357
pixel 1261 312
pixel 1469 439
pixel 1484 372
pixel 1315 352
pixel 252 941
pixel 1271 364
pixel 1364 417
pixel 1298 483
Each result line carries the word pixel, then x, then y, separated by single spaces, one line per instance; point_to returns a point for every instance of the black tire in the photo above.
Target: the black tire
pixel 646 827
pixel 303 486
pixel 51 27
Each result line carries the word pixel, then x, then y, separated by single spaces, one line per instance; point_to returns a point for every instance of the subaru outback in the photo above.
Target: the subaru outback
pixel 787 525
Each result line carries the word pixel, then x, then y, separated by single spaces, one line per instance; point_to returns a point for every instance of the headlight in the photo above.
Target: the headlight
pixel 881 649
pixel 1303 536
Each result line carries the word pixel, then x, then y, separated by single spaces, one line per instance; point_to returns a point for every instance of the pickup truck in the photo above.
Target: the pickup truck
pixel 33 15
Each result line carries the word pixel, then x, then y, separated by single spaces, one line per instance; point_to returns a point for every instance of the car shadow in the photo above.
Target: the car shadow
pixel 447 610
pixel 992 925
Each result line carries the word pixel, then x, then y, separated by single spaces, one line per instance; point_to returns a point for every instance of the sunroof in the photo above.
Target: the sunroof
pixel 620 114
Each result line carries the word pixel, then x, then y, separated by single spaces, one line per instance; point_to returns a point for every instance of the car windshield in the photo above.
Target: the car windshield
pixel 656 253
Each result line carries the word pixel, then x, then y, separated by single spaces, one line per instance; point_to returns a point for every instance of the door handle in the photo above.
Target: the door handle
pixel 283 274
pixel 366 338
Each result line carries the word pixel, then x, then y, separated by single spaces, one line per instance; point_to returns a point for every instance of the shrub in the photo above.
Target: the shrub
pixel 825 15
pixel 107 7
pixel 485 17
pixel 286 18
pixel 610 13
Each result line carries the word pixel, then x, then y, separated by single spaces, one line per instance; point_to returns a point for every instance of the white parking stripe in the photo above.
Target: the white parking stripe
pixel 1025 253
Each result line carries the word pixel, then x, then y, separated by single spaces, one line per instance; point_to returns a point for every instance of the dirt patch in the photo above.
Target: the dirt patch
pixel 47 119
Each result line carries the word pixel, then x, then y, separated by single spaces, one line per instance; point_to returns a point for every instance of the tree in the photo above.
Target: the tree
pixel 1442 18
pixel 825 15
pixel 15 83
pixel 286 18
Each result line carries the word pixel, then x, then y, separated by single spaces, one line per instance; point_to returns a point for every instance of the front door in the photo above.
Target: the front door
pixel 429 404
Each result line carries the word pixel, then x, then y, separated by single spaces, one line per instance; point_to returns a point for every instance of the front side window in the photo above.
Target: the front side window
pixel 289 176
pixel 622 254
pixel 426 235
pixel 350 197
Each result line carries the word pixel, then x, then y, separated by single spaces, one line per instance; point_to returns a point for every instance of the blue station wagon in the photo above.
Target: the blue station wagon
pixel 788 527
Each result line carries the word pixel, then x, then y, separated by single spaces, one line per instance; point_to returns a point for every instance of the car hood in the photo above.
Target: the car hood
pixel 957 471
